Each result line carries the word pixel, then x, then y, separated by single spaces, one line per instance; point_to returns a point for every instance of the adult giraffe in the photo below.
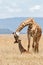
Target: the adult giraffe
pixel 34 31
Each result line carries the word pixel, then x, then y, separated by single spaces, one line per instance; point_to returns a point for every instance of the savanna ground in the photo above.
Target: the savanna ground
pixel 10 53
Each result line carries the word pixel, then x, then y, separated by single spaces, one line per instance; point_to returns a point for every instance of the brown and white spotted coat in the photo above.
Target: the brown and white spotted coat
pixel 34 31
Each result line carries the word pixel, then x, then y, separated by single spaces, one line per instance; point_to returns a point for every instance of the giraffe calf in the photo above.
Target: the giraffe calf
pixel 21 48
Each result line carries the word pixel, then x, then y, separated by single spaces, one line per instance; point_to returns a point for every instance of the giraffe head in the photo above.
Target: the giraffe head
pixel 16 37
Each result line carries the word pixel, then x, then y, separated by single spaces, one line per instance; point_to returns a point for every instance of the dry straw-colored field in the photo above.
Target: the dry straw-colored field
pixel 10 53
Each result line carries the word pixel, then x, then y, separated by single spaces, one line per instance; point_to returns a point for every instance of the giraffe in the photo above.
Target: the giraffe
pixel 21 48
pixel 34 31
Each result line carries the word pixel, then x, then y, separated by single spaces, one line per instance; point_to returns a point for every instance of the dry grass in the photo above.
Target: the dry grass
pixel 10 54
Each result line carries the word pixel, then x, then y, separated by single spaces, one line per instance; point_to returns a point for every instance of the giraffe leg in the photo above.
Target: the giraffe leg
pixel 28 35
pixel 37 39
pixel 36 47
pixel 33 44
pixel 28 46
